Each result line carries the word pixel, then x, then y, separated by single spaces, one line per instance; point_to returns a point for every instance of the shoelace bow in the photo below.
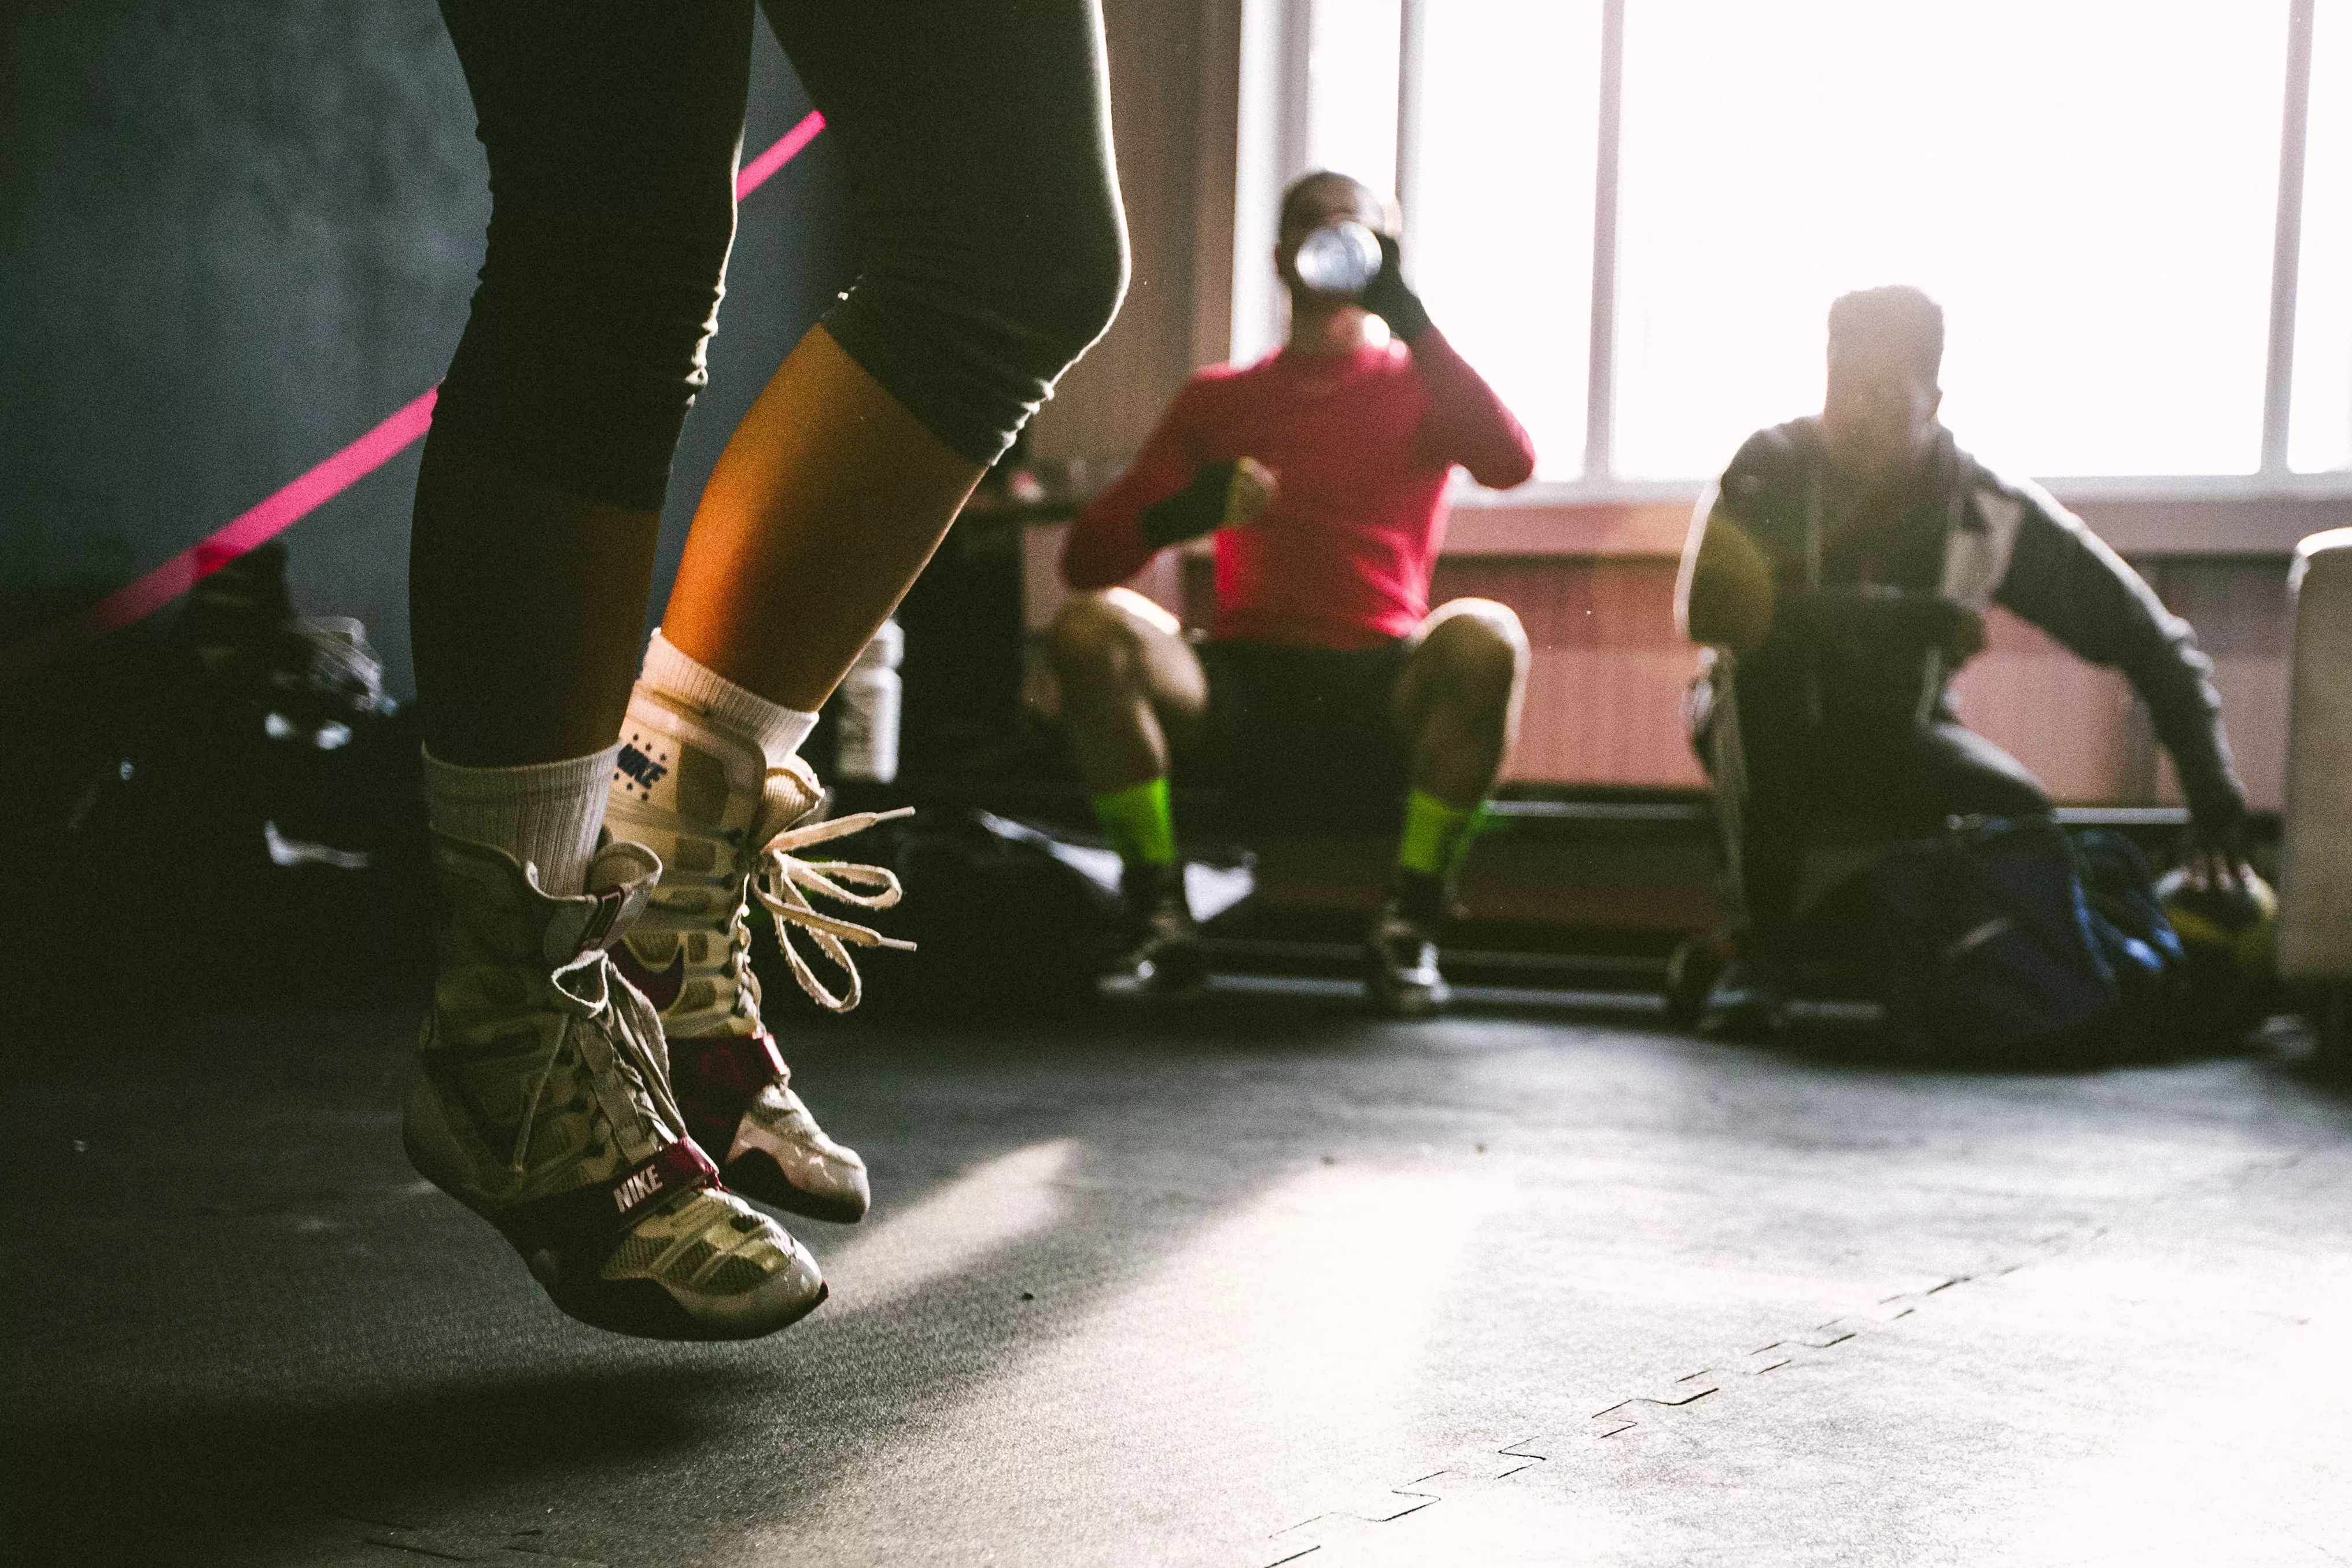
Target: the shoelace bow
pixel 783 882
pixel 630 1024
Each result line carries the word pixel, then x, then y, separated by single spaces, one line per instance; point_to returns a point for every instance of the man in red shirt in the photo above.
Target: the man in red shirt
pixel 1328 687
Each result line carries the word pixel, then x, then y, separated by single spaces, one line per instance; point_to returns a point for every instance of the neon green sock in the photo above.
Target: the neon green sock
pixel 1139 822
pixel 1436 835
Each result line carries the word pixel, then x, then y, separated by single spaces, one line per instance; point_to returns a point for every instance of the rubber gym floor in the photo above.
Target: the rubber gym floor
pixel 1241 1279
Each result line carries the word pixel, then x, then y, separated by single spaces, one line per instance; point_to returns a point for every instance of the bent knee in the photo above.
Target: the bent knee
pixel 1094 635
pixel 971 331
pixel 1065 282
pixel 607 285
pixel 1480 642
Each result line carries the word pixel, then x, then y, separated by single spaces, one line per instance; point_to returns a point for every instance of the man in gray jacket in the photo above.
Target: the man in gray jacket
pixel 1839 573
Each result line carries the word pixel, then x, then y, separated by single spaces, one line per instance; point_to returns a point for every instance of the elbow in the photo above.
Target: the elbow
pixel 1508 473
pixel 1736 641
pixel 1715 620
pixel 1074 567
pixel 1086 570
pixel 1705 630
pixel 1506 470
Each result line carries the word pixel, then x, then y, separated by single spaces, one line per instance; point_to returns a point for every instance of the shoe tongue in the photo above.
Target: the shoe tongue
pixel 618 862
pixel 791 795
pixel 619 880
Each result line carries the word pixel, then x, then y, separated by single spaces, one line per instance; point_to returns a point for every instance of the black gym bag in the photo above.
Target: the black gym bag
pixel 2005 943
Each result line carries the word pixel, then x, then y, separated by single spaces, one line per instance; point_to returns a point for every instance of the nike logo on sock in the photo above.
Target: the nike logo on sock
pixel 641 770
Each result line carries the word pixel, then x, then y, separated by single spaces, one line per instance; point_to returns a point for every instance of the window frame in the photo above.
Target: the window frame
pixel 2228 513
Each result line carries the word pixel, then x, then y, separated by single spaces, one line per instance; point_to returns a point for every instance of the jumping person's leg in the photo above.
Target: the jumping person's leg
pixel 1134 696
pixel 610 134
pixel 1457 704
pixel 977 137
pixel 538 1096
pixel 602 120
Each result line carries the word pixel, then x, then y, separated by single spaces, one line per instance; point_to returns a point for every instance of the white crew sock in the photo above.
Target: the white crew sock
pixel 779 730
pixel 546 814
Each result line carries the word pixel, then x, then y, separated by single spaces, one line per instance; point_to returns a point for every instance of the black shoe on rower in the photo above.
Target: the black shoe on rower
pixel 1157 949
pixel 1749 1002
pixel 1401 974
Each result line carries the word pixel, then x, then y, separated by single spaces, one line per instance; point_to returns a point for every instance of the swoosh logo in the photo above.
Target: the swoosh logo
pixel 660 989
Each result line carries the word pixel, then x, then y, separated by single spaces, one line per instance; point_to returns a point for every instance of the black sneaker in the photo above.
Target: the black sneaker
pixel 1749 1000
pixel 1401 977
pixel 1159 948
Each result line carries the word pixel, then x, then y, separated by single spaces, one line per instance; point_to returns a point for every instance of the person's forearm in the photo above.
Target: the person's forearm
pixel 1106 546
pixel 2186 714
pixel 1109 543
pixel 2073 586
pixel 1467 423
pixel 1202 507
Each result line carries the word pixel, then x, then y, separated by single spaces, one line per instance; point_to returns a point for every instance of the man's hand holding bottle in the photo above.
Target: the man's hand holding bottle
pixel 1220 495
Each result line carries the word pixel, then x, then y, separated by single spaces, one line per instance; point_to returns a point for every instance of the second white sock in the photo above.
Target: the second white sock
pixel 546 814
pixel 778 729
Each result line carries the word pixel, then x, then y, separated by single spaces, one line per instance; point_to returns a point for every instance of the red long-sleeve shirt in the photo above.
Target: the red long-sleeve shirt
pixel 1361 444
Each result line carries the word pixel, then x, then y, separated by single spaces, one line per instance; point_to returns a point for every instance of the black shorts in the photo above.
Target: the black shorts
pixel 1304 737
pixel 976 142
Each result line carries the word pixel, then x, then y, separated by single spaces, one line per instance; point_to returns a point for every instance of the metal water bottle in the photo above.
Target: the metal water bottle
pixel 1340 259
pixel 865 746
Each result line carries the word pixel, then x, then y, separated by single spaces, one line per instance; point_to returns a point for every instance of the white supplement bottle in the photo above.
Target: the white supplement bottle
pixel 865 711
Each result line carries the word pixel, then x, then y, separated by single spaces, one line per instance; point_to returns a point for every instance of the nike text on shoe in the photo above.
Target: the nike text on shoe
pixel 541 1100
pixel 730 831
pixel 1400 974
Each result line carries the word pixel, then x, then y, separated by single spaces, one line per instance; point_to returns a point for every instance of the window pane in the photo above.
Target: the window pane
pixel 2319 430
pixel 2087 185
pixel 1352 89
pixel 1502 242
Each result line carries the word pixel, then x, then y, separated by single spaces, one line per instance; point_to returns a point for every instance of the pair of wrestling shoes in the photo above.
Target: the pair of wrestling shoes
pixel 594 1079
pixel 1156 948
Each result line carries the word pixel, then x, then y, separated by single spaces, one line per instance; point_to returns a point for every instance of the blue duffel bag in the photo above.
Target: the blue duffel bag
pixel 2003 942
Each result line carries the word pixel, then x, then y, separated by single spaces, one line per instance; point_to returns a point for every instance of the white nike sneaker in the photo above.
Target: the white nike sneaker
pixel 727 830
pixel 540 1099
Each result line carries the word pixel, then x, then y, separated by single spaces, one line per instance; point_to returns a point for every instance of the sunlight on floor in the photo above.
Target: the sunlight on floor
pixel 1288 1339
pixel 995 1202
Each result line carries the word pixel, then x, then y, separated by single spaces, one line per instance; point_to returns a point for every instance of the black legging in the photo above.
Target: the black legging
pixel 1886 777
pixel 977 139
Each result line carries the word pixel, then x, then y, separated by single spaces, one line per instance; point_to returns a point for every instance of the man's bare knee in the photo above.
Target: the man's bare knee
pixel 1478 647
pixel 1100 643
pixel 1092 639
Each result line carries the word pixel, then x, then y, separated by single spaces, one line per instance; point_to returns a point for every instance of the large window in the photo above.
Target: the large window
pixel 2320 424
pixel 2141 277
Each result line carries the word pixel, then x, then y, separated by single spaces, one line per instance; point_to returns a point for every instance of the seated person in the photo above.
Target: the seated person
pixel 1329 688
pixel 1840 573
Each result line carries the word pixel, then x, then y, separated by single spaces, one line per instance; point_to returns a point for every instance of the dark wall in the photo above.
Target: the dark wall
pixel 234 237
